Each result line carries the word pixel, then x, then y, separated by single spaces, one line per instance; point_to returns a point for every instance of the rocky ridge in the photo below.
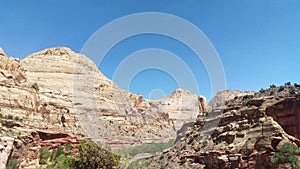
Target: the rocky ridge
pixel 222 96
pixel 72 87
pixel 248 133
pixel 58 90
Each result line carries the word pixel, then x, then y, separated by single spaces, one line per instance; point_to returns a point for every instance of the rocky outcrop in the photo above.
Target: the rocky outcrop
pixel 6 146
pixel 246 134
pixel 23 143
pixel 18 102
pixel 59 89
pixel 56 94
pixel 222 96
pixel 287 114
pixel 53 139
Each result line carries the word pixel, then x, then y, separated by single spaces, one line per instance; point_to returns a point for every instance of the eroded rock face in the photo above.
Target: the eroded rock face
pixel 221 97
pixel 246 134
pixel 6 146
pixel 55 94
pixel 287 114
pixel 23 144
pixel 59 89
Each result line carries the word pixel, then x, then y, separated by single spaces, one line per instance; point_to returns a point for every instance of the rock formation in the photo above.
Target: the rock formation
pixel 73 93
pixel 248 132
pixel 287 114
pixel 56 97
pixel 59 90
pixel 23 143
pixel 222 96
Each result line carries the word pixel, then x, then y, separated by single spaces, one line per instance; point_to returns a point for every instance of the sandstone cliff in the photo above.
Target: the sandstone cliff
pixel 248 132
pixel 59 90
pixel 72 87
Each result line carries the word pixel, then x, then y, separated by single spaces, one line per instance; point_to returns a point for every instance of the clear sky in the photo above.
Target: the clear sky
pixel 257 41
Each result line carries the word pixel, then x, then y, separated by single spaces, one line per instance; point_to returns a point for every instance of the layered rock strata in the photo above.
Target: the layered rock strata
pixel 59 89
pixel 248 131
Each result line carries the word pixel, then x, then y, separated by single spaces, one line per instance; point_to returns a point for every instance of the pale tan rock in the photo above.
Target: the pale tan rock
pixel 222 96
pixel 60 89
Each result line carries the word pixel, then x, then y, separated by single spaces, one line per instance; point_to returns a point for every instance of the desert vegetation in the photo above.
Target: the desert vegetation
pixel 287 155
pixel 87 155
pixel 145 148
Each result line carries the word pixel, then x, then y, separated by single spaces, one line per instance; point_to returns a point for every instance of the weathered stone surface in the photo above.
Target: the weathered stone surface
pixel 221 97
pixel 24 143
pixel 246 136
pixel 287 114
pixel 58 89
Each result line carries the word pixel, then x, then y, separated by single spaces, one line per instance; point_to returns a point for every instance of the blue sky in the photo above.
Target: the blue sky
pixel 258 42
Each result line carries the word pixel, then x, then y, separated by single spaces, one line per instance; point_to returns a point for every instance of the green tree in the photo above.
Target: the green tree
pixel 287 154
pixel 91 156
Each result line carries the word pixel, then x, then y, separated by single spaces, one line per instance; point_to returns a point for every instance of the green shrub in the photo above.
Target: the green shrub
pixel 197 149
pixel 281 88
pixel 57 152
pixel 68 147
pixel 191 140
pixel 13 164
pixel 10 117
pixel 44 155
pixel 292 90
pixel 262 90
pixel 183 160
pixel 137 165
pixel 287 154
pixel 205 143
pixel 60 162
pixel 91 156
pixel 17 118
pixel 248 97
